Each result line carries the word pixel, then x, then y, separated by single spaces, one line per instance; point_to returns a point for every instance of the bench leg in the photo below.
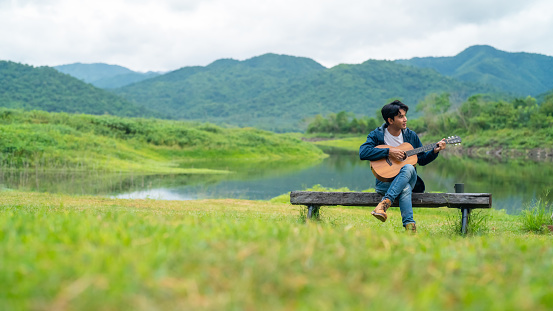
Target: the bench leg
pixel 460 188
pixel 465 220
pixel 312 210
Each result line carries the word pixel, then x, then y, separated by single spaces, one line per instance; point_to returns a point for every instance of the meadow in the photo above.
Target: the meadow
pixel 90 253
pixel 61 141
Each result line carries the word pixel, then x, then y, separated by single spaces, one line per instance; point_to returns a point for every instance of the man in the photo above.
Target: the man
pixel 393 133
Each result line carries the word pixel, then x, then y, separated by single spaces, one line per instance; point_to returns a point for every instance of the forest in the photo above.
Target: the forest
pixel 486 121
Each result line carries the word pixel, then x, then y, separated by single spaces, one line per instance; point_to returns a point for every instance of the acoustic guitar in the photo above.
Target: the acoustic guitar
pixel 386 169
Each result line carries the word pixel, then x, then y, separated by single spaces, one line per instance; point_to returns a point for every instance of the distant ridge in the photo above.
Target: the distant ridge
pixel 103 75
pixel 520 73
pixel 276 92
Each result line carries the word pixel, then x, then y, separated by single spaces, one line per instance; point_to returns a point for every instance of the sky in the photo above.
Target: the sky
pixel 165 35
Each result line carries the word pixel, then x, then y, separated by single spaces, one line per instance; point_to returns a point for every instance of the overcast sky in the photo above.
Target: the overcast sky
pixel 162 35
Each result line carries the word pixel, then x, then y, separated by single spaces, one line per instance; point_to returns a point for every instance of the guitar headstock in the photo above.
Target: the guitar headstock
pixel 453 140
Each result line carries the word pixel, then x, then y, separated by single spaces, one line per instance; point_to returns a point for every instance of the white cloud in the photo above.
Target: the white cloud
pixel 169 34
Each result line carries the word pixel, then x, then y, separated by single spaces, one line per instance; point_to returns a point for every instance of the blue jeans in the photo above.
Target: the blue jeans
pixel 402 188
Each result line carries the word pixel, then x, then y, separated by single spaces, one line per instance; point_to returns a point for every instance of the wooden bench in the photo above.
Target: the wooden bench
pixel 465 201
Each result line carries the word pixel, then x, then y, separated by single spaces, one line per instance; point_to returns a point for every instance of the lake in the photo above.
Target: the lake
pixel 514 183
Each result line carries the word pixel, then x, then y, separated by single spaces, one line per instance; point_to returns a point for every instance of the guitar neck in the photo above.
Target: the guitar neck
pixel 420 149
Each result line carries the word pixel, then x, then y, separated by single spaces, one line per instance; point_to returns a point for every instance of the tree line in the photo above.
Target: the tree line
pixel 480 112
pixel 342 123
pixel 438 114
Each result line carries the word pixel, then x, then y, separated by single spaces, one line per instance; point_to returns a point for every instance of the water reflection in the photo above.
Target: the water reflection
pixel 513 183
pixel 94 182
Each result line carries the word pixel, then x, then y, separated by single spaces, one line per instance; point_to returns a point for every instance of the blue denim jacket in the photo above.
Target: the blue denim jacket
pixel 367 151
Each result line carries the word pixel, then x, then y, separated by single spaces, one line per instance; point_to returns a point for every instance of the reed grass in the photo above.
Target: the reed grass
pixel 536 216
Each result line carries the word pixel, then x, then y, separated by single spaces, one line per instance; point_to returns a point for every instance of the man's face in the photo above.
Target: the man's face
pixel 399 121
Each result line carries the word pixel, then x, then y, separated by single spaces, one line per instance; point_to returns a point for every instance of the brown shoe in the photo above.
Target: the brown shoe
pixel 380 210
pixel 411 228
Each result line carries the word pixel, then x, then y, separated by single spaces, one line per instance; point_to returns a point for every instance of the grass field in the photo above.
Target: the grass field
pixel 42 140
pixel 349 143
pixel 88 253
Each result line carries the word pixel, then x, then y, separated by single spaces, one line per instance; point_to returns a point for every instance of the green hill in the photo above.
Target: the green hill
pixel 104 75
pixel 62 140
pixel 362 89
pixel 44 88
pixel 276 92
pixel 520 73
pixel 208 91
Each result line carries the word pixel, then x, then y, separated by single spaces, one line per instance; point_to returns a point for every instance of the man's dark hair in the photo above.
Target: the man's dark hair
pixel 392 109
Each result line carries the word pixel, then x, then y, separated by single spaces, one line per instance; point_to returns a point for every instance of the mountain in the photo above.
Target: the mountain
pixel 44 88
pixel 519 73
pixel 276 92
pixel 105 76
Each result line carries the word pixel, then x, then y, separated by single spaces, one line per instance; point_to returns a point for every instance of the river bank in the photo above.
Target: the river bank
pixel 352 144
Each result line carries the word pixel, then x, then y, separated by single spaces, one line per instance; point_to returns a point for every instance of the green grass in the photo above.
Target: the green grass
pixel 348 143
pixel 536 216
pixel 88 253
pixel 61 140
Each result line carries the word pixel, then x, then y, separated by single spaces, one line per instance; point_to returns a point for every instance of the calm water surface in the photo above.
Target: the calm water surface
pixel 514 183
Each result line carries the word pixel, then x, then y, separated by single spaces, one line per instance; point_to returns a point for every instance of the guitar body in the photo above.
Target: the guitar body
pixel 387 169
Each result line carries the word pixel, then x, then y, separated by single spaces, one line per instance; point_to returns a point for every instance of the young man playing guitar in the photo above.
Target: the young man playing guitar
pixel 394 133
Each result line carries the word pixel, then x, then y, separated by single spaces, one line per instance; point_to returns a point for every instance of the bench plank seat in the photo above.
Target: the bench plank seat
pixel 464 201
pixel 431 200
